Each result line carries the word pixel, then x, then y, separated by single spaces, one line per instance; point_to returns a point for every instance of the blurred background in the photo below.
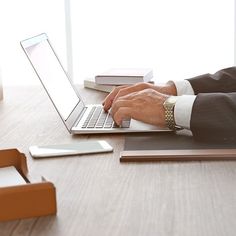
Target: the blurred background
pixel 178 39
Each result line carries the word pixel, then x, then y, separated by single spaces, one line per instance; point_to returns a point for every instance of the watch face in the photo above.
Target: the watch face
pixel 170 102
pixel 172 99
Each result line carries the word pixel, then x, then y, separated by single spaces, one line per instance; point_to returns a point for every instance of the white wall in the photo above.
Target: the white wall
pixel 178 39
pixel 20 19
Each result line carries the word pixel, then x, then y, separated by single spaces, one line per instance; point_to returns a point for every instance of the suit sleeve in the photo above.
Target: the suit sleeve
pixel 214 117
pixel 223 81
pixel 214 109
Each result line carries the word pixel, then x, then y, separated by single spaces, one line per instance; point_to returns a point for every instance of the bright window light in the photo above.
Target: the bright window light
pixel 23 19
pixel 178 39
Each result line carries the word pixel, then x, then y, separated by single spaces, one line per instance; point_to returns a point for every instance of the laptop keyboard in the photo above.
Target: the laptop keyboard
pixel 98 118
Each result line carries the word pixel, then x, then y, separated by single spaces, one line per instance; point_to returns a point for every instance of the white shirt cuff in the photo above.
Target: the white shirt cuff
pixel 183 110
pixel 183 87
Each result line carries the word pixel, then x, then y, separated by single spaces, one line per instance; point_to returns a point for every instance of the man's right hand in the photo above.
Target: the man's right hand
pixel 120 91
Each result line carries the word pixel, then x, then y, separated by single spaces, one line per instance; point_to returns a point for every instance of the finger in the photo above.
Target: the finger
pixel 119 104
pixel 121 114
pixel 121 91
pixel 131 89
pixel 109 99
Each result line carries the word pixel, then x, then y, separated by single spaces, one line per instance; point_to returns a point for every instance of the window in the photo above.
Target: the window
pixel 23 19
pixel 178 39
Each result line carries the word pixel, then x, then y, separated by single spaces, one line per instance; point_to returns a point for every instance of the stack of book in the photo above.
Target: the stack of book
pixel 108 80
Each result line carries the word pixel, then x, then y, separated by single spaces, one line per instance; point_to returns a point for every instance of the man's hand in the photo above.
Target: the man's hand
pixel 120 91
pixel 145 105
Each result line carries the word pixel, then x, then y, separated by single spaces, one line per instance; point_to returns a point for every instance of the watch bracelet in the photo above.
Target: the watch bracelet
pixel 169 118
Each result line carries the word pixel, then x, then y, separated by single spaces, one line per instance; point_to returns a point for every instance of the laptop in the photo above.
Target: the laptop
pixel 78 117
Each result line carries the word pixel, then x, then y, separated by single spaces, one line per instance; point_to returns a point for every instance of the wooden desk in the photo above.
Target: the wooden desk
pixel 97 195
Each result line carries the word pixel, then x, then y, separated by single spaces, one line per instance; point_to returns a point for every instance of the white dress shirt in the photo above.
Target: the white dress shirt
pixel 184 103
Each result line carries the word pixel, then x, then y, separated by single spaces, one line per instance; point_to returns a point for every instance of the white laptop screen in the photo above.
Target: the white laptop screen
pixel 52 76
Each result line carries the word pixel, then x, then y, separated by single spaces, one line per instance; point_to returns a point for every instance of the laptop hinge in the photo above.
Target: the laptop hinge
pixel 80 117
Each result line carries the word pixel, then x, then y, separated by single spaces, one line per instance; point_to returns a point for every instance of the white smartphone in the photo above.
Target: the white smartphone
pixel 83 147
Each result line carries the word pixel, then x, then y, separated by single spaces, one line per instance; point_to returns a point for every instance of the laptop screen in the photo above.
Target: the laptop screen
pixel 51 74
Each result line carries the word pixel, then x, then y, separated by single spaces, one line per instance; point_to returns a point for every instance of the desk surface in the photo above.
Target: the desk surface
pixel 97 195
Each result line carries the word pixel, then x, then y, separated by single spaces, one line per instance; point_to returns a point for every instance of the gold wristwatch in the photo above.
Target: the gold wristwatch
pixel 169 106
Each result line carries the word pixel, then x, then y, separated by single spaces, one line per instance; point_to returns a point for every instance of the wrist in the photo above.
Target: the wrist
pixel 168 88
pixel 171 88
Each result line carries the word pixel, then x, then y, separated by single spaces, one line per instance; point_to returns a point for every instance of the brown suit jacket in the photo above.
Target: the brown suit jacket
pixel 214 110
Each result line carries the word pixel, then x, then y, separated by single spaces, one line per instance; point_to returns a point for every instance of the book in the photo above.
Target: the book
pixel 174 147
pixel 9 176
pixel 91 84
pixel 121 76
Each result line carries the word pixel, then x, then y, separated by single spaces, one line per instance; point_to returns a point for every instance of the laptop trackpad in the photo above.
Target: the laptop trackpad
pixel 138 125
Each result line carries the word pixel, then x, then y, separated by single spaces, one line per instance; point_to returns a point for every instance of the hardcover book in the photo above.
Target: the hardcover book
pixel 91 84
pixel 121 76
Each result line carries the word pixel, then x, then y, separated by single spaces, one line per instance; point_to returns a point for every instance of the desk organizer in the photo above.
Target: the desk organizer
pixel 27 200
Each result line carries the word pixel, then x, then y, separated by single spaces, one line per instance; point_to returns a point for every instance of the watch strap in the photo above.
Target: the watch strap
pixel 169 106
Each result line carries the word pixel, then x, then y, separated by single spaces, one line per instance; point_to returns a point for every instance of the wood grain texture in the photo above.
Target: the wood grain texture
pixel 97 195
